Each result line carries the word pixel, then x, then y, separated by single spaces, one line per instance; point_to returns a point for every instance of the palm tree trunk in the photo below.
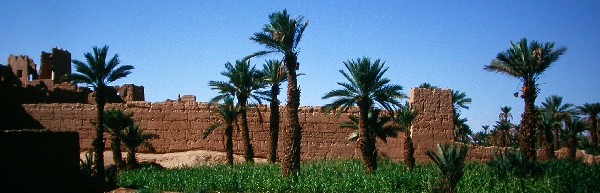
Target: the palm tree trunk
pixel 409 151
pixel 556 140
pixel 249 151
pixel 229 144
pixel 594 131
pixel 366 142
pixel 291 160
pixel 131 159
pixel 116 149
pixel 274 124
pixel 549 146
pixel 571 148
pixel 98 143
pixel 528 122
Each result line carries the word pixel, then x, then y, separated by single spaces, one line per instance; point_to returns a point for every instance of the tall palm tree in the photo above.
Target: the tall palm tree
pixel 98 73
pixel 115 121
pixel 244 83
pixel 574 127
pixel 559 113
pixel 134 137
pixel 366 87
pixel 527 63
pixel 274 74
pixel 282 35
pixel 404 117
pixel 592 110
pixel 228 114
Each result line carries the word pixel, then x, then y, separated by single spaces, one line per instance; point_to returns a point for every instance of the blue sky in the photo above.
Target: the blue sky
pixel 178 46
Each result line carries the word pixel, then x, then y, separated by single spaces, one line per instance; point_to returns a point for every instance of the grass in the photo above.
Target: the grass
pixel 348 176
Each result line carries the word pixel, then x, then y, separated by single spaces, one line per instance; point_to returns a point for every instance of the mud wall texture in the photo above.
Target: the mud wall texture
pixel 180 126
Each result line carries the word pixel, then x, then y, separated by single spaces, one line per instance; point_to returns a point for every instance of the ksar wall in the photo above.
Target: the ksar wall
pixel 180 126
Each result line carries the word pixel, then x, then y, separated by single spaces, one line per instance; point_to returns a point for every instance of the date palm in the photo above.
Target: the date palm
pixel 462 131
pixel 559 113
pixel 134 137
pixel 460 100
pixel 574 126
pixel 505 114
pixel 244 82
pixel 97 73
pixel 592 110
pixel 365 88
pixel 274 74
pixel 282 35
pixel 527 63
pixel 404 117
pixel 228 114
pixel 115 121
pixel 450 161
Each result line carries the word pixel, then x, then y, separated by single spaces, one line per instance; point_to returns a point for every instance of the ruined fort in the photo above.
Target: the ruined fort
pixel 42 100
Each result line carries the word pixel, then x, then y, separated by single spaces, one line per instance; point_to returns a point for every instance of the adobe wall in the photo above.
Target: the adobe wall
pixel 180 126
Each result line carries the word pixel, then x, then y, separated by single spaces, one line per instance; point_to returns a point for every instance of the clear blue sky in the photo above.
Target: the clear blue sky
pixel 178 46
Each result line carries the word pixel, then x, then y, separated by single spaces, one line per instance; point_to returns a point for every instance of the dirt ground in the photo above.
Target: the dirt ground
pixel 179 159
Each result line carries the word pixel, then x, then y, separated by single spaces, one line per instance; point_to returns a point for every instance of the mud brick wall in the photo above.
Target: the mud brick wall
pixel 434 123
pixel 180 126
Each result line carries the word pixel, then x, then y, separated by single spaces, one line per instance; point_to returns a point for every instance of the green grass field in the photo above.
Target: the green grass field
pixel 348 176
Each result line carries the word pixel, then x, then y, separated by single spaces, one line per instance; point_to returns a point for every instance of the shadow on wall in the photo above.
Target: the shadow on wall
pixel 13 116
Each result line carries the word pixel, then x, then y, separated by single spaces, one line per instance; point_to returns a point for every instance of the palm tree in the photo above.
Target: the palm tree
pixel 505 114
pixel 115 121
pixel 98 73
pixel 460 100
pixel 574 127
pixel 527 63
pixel 462 131
pixel 559 113
pixel 404 117
pixel 134 137
pixel 375 122
pixel 592 110
pixel 282 35
pixel 547 124
pixel 503 133
pixel 274 74
pixel 228 114
pixel 450 160
pixel 366 87
pixel 244 83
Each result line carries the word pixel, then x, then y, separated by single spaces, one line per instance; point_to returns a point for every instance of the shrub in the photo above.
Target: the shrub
pixel 450 162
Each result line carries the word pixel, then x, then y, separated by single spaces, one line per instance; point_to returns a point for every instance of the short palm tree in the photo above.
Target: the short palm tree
pixel 450 160
pixel 592 110
pixel 503 133
pixel 134 137
pixel 559 114
pixel 244 81
pixel 282 35
pixel 274 74
pixel 366 87
pixel 546 125
pixel 115 121
pixel 98 73
pixel 376 121
pixel 573 127
pixel 228 113
pixel 404 117
pixel 527 63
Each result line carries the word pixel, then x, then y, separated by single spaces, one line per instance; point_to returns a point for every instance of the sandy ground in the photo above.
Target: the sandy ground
pixel 179 159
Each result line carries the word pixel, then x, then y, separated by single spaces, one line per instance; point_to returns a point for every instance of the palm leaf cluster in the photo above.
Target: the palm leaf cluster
pixel 133 138
pixel 377 122
pixel 115 122
pixel 450 162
